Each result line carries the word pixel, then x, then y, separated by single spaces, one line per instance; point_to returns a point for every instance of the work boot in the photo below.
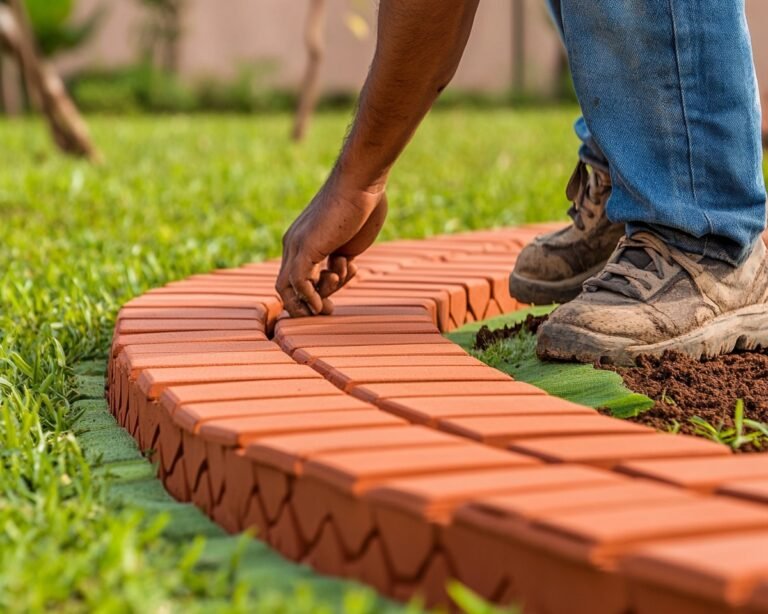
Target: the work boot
pixel 554 266
pixel 652 297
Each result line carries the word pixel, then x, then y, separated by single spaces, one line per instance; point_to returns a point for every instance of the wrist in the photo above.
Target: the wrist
pixel 351 186
pixel 359 171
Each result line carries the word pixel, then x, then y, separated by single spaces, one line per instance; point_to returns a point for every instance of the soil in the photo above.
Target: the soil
pixel 487 337
pixel 682 387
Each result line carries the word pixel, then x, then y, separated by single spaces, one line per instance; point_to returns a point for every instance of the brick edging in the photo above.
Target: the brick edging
pixel 368 446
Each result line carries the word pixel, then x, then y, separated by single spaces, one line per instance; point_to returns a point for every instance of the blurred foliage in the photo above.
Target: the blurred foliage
pixel 52 23
pixel 145 89
pixel 162 32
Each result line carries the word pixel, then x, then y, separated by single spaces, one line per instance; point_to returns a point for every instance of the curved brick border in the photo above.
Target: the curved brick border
pixel 368 446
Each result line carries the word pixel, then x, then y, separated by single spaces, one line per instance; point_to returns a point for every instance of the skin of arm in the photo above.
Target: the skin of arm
pixel 419 46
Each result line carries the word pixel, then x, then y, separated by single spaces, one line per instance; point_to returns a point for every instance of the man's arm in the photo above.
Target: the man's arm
pixel 420 44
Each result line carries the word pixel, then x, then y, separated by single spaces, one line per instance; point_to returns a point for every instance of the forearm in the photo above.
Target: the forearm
pixel 420 44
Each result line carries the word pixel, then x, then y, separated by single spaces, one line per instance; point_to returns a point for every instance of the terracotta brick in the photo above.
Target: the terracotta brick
pixel 175 396
pixel 611 450
pixel 371 568
pixel 291 343
pixel 325 365
pixel 326 555
pixel 307 354
pixel 477 289
pixel 220 313
pixel 349 378
pixel 315 502
pixel 431 497
pixel 191 347
pixel 429 410
pixel 152 325
pixel 284 536
pixel 598 536
pixel 497 279
pixel 357 471
pixel 620 492
pixel 359 328
pixel 580 548
pixel 503 430
pixel 190 417
pixel 242 431
pixel 324 323
pixel 710 574
pixel 197 301
pixel 703 475
pixel 288 452
pixel 273 356
pixel 451 301
pixel 123 340
pixel 263 292
pixel 343 303
pixel 375 392
pixel 445 243
pixel 352 310
pixel 153 381
pixel 752 489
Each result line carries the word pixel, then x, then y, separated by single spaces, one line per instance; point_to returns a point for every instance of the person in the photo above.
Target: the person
pixel 669 202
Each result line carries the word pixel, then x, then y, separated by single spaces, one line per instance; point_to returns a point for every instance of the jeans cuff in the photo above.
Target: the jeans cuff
pixel 711 246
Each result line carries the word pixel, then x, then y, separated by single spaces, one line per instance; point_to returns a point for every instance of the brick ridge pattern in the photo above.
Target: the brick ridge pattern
pixel 368 446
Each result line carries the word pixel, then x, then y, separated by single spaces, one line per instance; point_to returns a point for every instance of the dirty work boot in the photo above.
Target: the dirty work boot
pixel 554 266
pixel 651 297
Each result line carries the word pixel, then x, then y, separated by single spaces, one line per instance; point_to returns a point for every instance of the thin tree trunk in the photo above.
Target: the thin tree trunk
pixel 765 119
pixel 518 46
pixel 67 127
pixel 315 44
pixel 10 84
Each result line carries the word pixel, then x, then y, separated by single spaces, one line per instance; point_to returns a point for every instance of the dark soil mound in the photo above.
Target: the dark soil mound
pixel 683 388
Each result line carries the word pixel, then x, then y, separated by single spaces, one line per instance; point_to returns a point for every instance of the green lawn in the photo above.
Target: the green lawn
pixel 177 196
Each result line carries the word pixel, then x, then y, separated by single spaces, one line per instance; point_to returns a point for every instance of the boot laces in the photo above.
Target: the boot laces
pixel 639 262
pixel 584 187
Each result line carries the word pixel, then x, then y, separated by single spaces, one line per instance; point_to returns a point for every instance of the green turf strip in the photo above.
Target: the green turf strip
pixel 238 563
pixel 576 382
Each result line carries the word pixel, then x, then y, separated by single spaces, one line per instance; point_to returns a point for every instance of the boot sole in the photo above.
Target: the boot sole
pixel 540 292
pixel 742 329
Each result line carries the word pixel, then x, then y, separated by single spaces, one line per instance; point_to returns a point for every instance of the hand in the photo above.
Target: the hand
pixel 339 224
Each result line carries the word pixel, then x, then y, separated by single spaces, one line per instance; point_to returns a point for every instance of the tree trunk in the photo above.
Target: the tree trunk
pixel 765 119
pixel 67 127
pixel 314 40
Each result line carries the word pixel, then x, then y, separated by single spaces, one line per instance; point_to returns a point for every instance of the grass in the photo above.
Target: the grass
pixel 176 196
pixel 743 434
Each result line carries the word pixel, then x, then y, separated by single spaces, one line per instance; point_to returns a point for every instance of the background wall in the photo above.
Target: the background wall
pixel 220 37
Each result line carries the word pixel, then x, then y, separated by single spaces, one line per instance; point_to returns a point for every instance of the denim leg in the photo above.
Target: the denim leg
pixel 589 151
pixel 669 92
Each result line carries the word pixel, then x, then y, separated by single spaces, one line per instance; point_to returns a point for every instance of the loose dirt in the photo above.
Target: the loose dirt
pixel 683 388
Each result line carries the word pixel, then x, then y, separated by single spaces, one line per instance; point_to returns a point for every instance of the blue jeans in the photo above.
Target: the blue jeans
pixel 670 105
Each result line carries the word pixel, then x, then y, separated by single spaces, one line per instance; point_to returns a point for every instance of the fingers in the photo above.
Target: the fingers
pixel 327 307
pixel 338 265
pixel 328 284
pixel 306 292
pixel 295 284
